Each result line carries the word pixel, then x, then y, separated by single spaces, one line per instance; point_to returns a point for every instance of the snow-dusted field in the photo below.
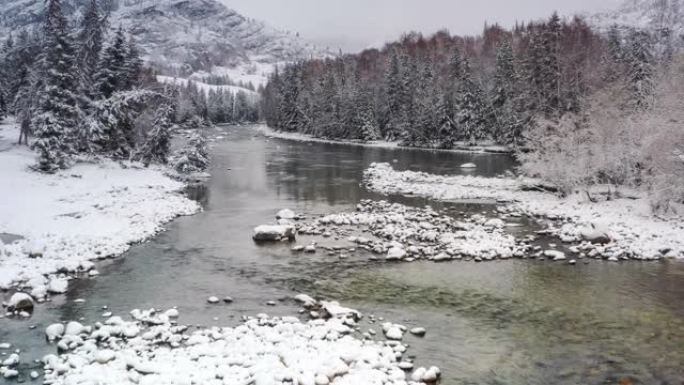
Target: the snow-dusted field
pixel 153 349
pixel 88 212
pixel 634 231
pixel 271 133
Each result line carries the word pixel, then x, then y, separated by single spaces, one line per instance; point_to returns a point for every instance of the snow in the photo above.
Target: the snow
pixel 260 350
pixel 635 232
pixel 270 133
pixel 91 211
pixel 273 233
pixel 206 88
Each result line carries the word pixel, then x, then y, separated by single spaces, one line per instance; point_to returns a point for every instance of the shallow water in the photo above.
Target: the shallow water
pixel 505 322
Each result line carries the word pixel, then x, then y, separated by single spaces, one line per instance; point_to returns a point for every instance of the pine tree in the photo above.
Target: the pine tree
pixel 55 121
pixel 641 71
pixel 133 64
pixel 394 86
pixel 112 72
pixel 157 140
pixel 90 40
pixel 504 97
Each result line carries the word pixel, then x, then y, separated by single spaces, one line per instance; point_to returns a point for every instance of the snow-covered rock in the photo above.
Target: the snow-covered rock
pixel 468 166
pixel 58 285
pixel 274 233
pixel 213 300
pixel 395 253
pixel 54 332
pixel 20 302
pixel 286 214
pixel 305 300
pixel 555 255
pixel 418 331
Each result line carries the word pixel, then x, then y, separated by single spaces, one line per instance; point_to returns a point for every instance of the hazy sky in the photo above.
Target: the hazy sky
pixel 357 24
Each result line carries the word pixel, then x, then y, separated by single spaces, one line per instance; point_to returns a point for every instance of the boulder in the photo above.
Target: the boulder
pixel 286 214
pixel 596 233
pixel 58 285
pixel 274 233
pixel 20 302
pixel 54 332
pixel 555 255
pixel 395 253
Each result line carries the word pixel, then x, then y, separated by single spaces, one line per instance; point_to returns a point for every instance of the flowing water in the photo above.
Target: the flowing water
pixel 504 322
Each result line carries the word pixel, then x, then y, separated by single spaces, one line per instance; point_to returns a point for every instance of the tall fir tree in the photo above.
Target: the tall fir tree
pixel 56 116
pixel 641 70
pixel 112 73
pixel 90 41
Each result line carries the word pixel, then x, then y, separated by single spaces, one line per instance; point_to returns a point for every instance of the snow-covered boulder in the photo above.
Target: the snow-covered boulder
pixel 73 328
pixel 58 285
pixel 395 253
pixel 274 233
pixel 596 233
pixel 54 332
pixel 335 310
pixel 286 214
pixel 555 255
pixel 468 166
pixel 305 300
pixel 20 302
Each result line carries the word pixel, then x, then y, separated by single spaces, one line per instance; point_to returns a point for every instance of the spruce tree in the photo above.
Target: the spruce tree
pixel 133 64
pixel 641 71
pixel 90 40
pixel 112 73
pixel 55 120
pixel 157 141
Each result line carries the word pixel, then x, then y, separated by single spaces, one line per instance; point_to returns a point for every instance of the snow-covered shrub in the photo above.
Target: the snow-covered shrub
pixel 194 157
pixel 156 138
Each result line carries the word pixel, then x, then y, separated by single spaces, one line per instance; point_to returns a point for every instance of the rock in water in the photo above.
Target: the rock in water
pixel 73 328
pixel 468 165
pixel 274 233
pixel 420 332
pixel 555 255
pixel 395 253
pixel 20 302
pixel 286 214
pixel 213 299
pixel 54 332
pixel 58 286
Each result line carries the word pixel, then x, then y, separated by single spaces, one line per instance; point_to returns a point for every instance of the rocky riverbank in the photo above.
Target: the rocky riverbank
pixel 616 229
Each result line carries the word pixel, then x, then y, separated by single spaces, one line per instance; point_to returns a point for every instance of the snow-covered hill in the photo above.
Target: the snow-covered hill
pixel 652 15
pixel 182 36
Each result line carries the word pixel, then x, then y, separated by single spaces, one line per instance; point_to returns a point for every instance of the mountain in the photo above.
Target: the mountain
pixel 655 16
pixel 182 37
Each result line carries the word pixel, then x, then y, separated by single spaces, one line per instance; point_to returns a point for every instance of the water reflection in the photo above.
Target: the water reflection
pixel 508 322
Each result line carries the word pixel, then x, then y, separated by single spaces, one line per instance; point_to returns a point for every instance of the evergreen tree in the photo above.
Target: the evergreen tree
pixel 57 112
pixel 133 64
pixel 641 71
pixel 113 73
pixel 395 98
pixel 157 140
pixel 90 40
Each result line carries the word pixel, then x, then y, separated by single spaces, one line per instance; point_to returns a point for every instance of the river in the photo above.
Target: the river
pixel 502 322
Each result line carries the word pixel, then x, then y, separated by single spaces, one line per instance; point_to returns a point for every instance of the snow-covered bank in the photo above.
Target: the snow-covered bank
pixel 458 147
pixel 634 231
pixel 66 220
pixel 401 233
pixel 152 349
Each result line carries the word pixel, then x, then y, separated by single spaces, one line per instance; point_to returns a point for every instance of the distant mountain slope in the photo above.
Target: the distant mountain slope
pixel 651 15
pixel 185 35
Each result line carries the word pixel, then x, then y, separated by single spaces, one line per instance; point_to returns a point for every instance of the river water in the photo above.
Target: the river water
pixel 503 322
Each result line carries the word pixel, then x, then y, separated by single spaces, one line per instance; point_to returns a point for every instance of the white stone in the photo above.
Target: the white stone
pixel 213 299
pixel 73 328
pixel 418 331
pixel 431 375
pixel 34 374
pixel 286 214
pixel 104 356
pixel 54 332
pixel 305 300
pixel 274 233
pixel 468 165
pixel 11 361
pixel 395 253
pixel 58 285
pixel 555 255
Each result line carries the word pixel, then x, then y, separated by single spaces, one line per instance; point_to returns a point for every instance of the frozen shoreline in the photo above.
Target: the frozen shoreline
pixel 66 220
pixel 485 149
pixel 635 233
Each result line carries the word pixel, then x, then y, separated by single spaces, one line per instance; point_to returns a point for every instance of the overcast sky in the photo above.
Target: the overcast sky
pixel 356 24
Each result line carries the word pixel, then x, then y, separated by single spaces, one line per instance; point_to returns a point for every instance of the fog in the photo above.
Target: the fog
pixel 352 25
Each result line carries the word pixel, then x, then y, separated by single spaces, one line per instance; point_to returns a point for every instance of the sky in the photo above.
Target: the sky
pixel 352 25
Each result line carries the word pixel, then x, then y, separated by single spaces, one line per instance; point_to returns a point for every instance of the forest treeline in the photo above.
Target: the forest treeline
pixel 581 108
pixel 83 89
pixel 439 90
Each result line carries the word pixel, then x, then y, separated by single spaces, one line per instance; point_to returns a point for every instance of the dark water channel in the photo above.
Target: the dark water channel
pixel 504 322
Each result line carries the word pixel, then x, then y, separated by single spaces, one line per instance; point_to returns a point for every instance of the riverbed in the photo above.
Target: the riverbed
pixel 502 322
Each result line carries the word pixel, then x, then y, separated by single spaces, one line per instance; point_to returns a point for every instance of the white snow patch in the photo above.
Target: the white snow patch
pixel 91 211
